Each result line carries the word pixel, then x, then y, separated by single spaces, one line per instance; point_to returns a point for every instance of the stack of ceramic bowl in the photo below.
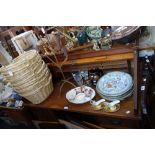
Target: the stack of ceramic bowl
pixel 29 76
pixel 115 86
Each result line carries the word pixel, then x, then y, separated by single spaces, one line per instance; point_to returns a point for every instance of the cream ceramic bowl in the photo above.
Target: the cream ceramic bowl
pixel 78 95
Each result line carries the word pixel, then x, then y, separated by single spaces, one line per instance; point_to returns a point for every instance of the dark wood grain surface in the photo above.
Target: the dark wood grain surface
pixel 56 102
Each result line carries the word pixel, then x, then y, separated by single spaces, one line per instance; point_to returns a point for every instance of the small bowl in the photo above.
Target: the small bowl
pixel 107 109
pixel 98 107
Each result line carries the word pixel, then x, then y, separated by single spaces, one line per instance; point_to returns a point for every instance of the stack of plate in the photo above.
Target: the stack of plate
pixel 115 86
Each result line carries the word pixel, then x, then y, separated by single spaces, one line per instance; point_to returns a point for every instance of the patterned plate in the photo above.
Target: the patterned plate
pixel 126 95
pixel 114 83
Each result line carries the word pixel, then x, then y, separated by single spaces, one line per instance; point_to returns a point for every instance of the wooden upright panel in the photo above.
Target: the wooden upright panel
pixel 136 82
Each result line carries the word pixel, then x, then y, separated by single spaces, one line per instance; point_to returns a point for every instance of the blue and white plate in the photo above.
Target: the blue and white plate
pixel 114 83
pixel 113 98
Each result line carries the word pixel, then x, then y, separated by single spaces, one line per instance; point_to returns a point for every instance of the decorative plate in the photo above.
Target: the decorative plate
pixel 126 95
pixel 114 83
pixel 80 95
pixel 123 31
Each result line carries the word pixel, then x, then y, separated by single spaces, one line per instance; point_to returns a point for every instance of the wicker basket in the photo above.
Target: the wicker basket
pixel 30 77
pixel 5 71
pixel 27 57
pixel 29 80
pixel 26 75
pixel 33 85
pixel 40 94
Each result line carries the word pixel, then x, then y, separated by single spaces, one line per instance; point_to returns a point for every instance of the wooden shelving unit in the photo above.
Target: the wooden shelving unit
pixel 56 109
pixel 127 117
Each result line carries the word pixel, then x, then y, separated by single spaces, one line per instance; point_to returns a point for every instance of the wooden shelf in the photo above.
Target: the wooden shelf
pixel 90 57
pixel 56 102
pixel 91 60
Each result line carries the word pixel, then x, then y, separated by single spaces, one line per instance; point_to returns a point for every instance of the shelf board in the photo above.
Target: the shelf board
pixel 92 60
pixel 56 102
